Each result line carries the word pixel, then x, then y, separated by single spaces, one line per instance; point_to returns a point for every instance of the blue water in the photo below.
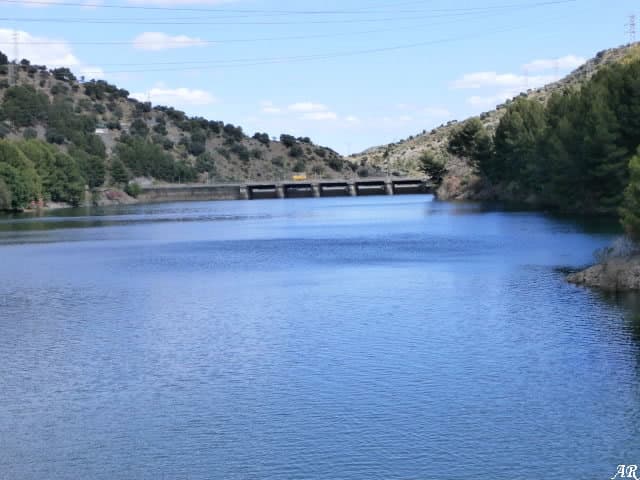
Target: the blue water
pixel 350 338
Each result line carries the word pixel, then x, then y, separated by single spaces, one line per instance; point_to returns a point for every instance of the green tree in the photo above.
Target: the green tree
pixel 516 145
pixel 5 196
pixel 630 211
pixel 144 158
pixel 19 175
pixel 24 106
pixel 92 167
pixel 65 183
pixel 433 167
pixel 119 174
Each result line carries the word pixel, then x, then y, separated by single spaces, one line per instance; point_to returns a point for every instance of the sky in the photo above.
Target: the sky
pixel 349 74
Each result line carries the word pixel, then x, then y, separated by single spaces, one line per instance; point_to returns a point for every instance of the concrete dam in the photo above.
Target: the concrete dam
pixel 291 189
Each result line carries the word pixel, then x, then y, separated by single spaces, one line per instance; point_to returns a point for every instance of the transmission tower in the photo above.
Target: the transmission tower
pixel 631 28
pixel 13 66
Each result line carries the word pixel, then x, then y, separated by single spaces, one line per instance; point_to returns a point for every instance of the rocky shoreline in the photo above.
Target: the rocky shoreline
pixel 616 275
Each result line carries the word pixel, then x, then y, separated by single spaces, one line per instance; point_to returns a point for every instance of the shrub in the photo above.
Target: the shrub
pixel 30 133
pixel 321 152
pixel 335 163
pixel 362 172
pixel 288 140
pixel 139 128
pixel 432 167
pixel 53 136
pixel 241 151
pixel 299 166
pixel 63 74
pixel 59 89
pixel 224 152
pixel 233 132
pixel 205 163
pixel 196 148
pixel 133 189
pixel 84 104
pixel 262 138
pixel 296 151
pixel 160 127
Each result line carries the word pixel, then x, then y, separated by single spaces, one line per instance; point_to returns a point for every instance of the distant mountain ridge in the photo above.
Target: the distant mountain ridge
pixel 54 106
pixel 404 156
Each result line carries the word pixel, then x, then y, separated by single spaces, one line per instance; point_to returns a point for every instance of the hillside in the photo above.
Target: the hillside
pixel 124 139
pixel 461 180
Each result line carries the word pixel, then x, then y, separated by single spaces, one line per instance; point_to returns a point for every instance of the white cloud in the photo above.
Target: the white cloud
pixel 269 108
pixel 156 41
pixel 352 119
pixel 306 107
pixel 320 116
pixel 41 50
pixel 502 80
pixel 50 52
pixel 176 96
pixel 568 62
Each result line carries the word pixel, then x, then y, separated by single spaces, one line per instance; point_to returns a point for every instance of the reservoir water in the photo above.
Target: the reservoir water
pixel 351 338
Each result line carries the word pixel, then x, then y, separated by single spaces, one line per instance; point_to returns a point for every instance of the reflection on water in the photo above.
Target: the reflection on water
pixel 351 338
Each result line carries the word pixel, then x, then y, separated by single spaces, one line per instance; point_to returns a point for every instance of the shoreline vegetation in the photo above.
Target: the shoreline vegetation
pixel 578 152
pixel 66 140
pixel 576 149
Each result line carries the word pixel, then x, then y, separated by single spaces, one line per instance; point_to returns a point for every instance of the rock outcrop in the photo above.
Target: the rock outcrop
pixel 617 275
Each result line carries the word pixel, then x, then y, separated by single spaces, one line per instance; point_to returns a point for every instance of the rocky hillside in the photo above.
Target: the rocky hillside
pixel 102 120
pixel 461 181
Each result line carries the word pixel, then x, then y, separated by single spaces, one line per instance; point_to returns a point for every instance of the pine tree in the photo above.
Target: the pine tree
pixel 605 160
pixel 119 174
pixel 631 208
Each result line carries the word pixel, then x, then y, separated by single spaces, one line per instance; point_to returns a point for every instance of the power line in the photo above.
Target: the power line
pixel 249 62
pixel 245 62
pixel 255 11
pixel 235 40
pixel 200 21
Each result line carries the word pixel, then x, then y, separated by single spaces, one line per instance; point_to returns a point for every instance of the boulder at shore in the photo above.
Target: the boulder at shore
pixel 617 275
